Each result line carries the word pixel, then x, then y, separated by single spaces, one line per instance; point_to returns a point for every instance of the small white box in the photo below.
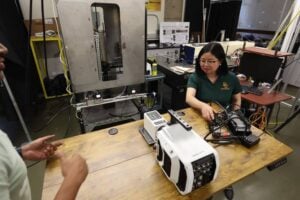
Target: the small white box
pixel 152 122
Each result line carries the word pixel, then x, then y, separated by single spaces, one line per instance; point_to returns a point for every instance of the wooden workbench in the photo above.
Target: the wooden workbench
pixel 123 166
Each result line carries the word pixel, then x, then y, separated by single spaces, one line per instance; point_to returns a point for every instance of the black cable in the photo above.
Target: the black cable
pixel 33 164
pixel 221 140
pixel 290 63
pixel 217 36
pixel 44 37
pixel 220 105
pixel 18 6
pixel 30 21
pixel 205 137
pixel 28 55
pixel 124 115
pixel 221 122
pixel 69 123
pixel 51 119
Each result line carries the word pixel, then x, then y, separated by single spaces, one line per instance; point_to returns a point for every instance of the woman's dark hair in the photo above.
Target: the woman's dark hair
pixel 217 50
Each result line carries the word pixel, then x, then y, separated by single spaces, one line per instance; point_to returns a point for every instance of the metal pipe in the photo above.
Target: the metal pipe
pixel 97 102
pixel 12 98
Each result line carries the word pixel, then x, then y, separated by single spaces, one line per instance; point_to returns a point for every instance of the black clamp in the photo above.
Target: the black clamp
pixel 175 118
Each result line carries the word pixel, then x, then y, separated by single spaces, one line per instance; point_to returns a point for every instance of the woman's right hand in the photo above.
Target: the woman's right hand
pixel 207 112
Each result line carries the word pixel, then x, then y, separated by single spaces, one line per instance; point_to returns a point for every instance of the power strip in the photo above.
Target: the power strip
pixel 277 164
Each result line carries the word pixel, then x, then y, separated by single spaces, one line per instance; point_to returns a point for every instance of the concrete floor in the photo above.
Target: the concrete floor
pixel 281 183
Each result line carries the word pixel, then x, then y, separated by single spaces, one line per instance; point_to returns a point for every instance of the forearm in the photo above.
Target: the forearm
pixel 195 103
pixel 68 189
pixel 236 101
pixel 205 109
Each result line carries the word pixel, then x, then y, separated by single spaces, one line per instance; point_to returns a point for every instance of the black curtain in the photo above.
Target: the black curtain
pixel 220 15
pixel 194 13
pixel 223 15
pixel 20 69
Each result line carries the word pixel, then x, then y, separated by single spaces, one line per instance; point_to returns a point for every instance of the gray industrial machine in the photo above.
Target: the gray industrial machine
pixel 104 42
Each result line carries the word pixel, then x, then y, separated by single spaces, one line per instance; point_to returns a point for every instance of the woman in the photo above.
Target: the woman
pixel 212 82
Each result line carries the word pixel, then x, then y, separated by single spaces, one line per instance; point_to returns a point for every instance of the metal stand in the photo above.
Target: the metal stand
pixel 295 111
pixel 88 111
pixel 12 98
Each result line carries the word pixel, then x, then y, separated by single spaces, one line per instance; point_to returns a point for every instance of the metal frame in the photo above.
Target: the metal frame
pixel 40 66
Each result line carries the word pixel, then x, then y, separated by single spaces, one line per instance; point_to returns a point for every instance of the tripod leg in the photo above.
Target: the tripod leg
pixel 296 112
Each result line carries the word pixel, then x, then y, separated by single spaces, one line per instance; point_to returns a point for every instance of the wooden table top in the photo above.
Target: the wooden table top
pixel 123 166
pixel 267 52
pixel 266 99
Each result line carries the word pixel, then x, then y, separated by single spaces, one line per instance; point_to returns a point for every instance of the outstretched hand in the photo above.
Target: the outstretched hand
pixel 40 148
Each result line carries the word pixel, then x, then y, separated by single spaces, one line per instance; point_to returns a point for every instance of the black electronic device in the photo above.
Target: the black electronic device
pixel 215 126
pixel 215 129
pixel 249 141
pixel 252 90
pixel 238 124
pixel 239 129
pixel 260 68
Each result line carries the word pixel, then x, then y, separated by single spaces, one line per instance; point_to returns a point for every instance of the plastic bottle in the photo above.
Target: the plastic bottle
pixel 154 69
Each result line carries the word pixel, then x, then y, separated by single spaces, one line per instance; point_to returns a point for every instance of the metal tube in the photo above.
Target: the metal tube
pixel 12 98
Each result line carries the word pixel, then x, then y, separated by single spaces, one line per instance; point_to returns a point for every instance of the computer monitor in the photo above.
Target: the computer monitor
pixel 259 67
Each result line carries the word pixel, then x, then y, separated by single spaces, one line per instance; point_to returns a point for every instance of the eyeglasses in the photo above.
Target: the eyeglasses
pixel 208 62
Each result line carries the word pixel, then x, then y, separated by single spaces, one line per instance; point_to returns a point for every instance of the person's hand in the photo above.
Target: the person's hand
pixel 207 112
pixel 3 52
pixel 40 148
pixel 74 168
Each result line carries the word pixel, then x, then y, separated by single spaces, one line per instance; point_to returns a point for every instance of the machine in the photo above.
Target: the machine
pixel 186 159
pixel 104 42
pixel 191 51
pixel 153 121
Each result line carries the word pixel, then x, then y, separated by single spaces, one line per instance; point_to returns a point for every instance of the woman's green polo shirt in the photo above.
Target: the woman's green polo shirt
pixel 221 91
